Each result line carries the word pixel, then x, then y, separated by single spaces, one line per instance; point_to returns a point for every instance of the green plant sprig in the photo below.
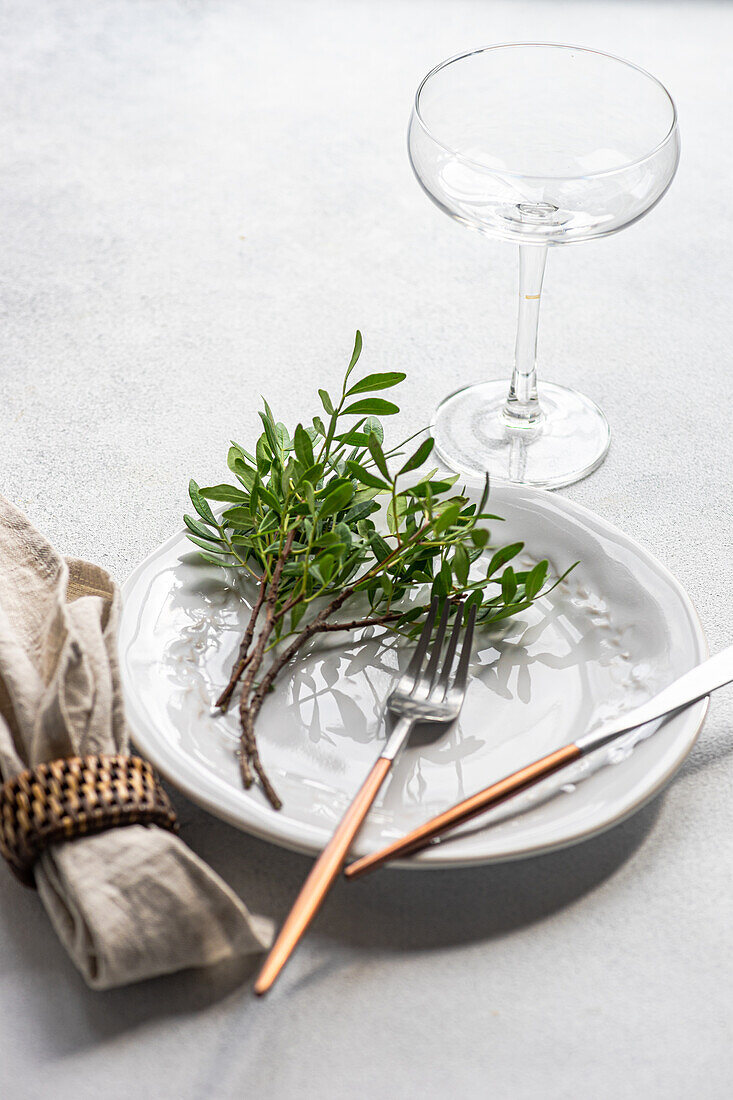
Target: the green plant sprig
pixel 301 523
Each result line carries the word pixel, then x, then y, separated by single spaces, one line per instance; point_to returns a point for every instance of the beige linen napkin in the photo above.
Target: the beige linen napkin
pixel 132 902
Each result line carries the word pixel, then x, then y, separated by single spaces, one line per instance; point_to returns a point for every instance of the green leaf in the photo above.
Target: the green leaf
pixel 199 529
pixel 283 439
pixel 213 560
pixel 372 382
pixel 446 518
pixel 323 566
pixel 235 456
pixel 326 402
pixel 461 565
pixel 336 500
pixel 240 543
pixel 223 492
pixel 348 568
pixel 314 473
pixel 435 487
pixel 373 405
pixel 561 578
pixel 344 533
pixel 411 615
pixel 204 544
pixel 245 454
pixel 474 598
pixel 244 474
pixel 507 612
pixel 354 356
pixel 365 476
pixel 372 426
pixel 254 499
pixel 327 540
pixel 443 581
pixel 399 508
pixel 331 485
pixel 238 517
pixel 270 522
pixel 353 436
pixel 367 493
pixel 270 433
pixel 379 546
pixel 303 446
pixel 484 496
pixel 200 504
pixel 479 537
pixel 375 450
pixel 355 439
pixel 359 511
pixel 271 500
pixel 287 475
pixel 535 580
pixel 502 556
pixel 373 591
pixel 508 584
pixel 263 455
pixel 419 456
pixel 296 615
pixel 392 518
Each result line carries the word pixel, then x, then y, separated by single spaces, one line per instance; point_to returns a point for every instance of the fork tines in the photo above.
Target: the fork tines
pixel 424 683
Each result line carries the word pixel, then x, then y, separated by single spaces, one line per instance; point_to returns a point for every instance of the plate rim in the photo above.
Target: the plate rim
pixel 423 861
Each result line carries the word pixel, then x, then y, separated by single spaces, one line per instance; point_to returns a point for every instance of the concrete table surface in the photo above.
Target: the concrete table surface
pixel 200 201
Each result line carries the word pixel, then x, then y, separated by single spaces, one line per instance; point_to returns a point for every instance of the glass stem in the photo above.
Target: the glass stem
pixel 522 409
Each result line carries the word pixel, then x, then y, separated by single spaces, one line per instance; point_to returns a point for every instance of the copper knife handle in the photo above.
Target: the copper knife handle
pixel 323 873
pixel 470 807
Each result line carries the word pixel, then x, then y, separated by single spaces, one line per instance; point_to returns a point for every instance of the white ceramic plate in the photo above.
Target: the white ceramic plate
pixel 613 634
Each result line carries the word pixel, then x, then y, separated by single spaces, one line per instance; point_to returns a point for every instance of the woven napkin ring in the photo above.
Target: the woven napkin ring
pixel 76 797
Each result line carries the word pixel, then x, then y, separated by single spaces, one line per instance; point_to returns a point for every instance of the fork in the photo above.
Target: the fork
pixel 420 695
pixel 699 682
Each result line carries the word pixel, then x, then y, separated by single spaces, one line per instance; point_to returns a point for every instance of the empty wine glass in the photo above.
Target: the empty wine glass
pixel 543 145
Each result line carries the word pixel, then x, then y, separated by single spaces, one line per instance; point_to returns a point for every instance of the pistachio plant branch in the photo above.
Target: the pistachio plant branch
pixel 298 520
pixel 354 624
pixel 244 656
pixel 249 749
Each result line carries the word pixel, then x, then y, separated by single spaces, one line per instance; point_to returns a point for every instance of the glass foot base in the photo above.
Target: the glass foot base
pixel 472 436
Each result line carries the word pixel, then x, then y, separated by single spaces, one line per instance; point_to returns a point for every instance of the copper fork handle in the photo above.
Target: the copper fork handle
pixel 470 807
pixel 325 870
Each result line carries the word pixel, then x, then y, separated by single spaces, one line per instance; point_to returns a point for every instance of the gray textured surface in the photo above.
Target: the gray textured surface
pixel 200 201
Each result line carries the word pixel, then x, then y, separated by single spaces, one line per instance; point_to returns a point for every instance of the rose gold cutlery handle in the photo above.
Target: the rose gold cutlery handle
pixel 477 804
pixel 319 881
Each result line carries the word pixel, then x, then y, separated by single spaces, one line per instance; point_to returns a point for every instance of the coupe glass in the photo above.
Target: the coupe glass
pixel 543 145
